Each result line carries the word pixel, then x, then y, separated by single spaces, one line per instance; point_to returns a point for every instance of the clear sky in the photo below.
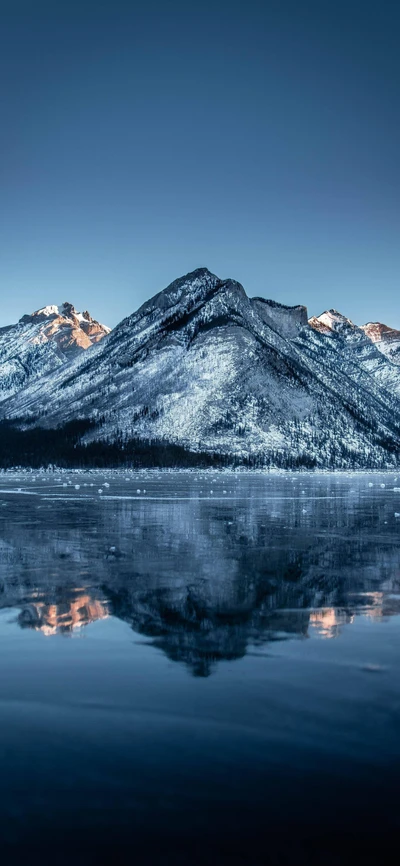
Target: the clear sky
pixel 259 138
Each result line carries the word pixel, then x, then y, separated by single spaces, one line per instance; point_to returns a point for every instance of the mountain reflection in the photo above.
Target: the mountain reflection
pixel 64 615
pixel 206 581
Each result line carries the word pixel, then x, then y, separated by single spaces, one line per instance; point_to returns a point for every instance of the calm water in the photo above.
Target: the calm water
pixel 199 668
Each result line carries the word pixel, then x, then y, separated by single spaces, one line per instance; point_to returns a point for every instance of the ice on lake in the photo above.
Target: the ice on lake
pixel 196 662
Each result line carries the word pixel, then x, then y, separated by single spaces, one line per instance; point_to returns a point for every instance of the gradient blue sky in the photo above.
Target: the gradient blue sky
pixel 139 141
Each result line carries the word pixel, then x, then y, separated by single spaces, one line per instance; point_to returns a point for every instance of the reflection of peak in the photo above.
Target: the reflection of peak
pixel 63 616
pixel 328 621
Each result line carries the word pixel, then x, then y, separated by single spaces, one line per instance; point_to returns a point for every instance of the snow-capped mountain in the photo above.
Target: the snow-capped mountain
pixel 42 342
pixel 203 365
pixel 360 345
pixel 387 340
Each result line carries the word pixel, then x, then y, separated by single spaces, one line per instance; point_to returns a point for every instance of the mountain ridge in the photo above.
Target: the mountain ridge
pixel 204 366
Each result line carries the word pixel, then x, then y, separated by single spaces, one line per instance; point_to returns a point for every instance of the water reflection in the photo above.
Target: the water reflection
pixel 205 579
pixel 329 621
pixel 63 615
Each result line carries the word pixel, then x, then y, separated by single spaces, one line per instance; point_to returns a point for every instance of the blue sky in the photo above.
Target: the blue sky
pixel 139 141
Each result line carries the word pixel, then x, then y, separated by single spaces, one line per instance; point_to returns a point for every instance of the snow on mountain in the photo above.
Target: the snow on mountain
pixel 361 345
pixel 332 320
pixel 42 342
pixel 386 339
pixel 203 365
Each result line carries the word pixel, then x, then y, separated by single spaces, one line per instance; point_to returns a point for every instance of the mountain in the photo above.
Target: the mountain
pixel 203 365
pixel 43 341
pixel 359 345
pixel 387 340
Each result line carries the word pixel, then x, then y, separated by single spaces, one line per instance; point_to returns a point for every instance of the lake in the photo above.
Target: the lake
pixel 199 667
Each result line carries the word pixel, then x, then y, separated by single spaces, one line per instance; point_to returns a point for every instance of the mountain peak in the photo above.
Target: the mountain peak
pixel 386 339
pixel 198 273
pixel 377 331
pixel 184 289
pixel 63 325
pixel 332 320
pixel 66 310
pixel 200 276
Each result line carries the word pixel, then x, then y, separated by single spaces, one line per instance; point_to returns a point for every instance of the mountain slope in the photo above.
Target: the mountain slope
pixel 203 365
pixel 387 340
pixel 361 346
pixel 43 341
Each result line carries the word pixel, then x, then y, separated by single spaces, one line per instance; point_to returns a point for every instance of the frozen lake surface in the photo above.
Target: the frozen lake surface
pixel 199 668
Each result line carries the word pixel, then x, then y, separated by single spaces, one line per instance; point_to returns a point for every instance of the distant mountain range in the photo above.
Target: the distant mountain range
pixel 206 368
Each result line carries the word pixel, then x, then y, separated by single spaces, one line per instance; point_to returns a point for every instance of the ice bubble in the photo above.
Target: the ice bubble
pixel 372 668
pixel 100 490
pixel 77 486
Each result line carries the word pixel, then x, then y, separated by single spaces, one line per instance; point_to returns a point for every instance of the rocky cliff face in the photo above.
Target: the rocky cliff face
pixel 287 321
pixel 203 365
pixel 42 342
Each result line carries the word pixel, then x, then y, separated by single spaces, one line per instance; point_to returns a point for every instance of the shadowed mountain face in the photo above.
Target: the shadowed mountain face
pixel 204 580
pixel 204 366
